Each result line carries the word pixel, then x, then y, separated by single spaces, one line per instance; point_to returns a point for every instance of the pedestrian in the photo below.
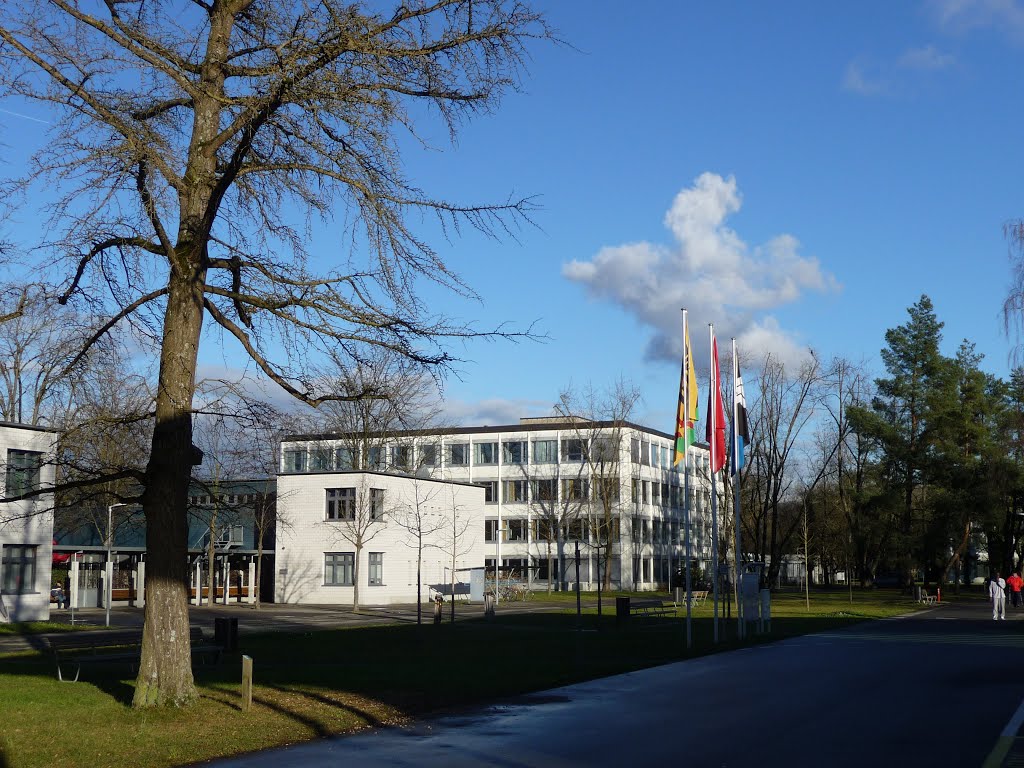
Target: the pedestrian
pixel 1015 582
pixel 997 593
pixel 57 595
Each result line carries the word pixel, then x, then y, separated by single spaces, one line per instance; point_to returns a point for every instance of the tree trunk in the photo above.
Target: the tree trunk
pixel 165 669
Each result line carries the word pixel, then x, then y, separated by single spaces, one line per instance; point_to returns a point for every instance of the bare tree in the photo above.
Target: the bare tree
pixel 784 407
pixel 455 541
pixel 599 422
pixel 187 139
pixel 419 516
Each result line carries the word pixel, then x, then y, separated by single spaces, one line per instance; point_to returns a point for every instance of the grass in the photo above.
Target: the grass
pixel 314 684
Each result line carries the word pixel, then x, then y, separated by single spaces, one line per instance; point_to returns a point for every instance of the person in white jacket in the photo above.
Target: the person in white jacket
pixel 997 592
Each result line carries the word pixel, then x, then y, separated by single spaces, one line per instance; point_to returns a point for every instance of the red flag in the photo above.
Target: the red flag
pixel 717 440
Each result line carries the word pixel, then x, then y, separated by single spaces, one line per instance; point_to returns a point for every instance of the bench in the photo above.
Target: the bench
pixel 927 599
pixel 698 597
pixel 105 647
pixel 649 607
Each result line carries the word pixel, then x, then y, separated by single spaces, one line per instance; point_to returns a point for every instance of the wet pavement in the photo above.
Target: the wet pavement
pixel 880 693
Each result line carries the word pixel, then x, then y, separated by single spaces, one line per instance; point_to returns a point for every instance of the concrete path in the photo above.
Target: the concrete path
pixel 938 689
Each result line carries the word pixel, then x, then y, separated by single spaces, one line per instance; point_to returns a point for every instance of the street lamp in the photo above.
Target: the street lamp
pixel 108 575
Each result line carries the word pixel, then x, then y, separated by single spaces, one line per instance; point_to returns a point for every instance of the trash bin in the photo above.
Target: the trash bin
pixel 225 633
pixel 621 610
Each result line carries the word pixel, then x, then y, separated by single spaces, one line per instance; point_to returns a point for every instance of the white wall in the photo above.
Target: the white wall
pixel 304 536
pixel 28 522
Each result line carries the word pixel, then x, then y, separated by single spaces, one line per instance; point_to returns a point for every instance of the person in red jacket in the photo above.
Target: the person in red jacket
pixel 1014 582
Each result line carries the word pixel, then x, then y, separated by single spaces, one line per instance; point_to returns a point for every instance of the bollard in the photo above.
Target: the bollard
pixel 488 604
pixel 246 683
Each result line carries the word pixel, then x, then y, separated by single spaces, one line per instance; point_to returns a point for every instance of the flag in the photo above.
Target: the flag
pixel 741 432
pixel 716 441
pixel 685 430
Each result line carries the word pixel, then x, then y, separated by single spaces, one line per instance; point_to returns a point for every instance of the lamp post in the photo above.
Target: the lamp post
pixel 108 575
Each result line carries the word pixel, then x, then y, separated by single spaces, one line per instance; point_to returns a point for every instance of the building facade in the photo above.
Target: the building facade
pixel 551 486
pixel 340 532
pixel 26 525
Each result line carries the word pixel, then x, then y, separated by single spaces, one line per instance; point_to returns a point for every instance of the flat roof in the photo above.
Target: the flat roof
pixel 532 426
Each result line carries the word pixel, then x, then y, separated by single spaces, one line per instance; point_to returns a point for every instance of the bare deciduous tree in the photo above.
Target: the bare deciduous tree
pixel 192 143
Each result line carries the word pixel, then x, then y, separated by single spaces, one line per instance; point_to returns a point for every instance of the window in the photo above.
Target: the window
pixel 605 449
pixel 575 489
pixel 344 458
pixel 428 455
pixel 545 451
pixel 634 450
pixel 517 530
pixel 341 503
pixel 514 491
pixel 375 457
pixel 295 460
pixel 485 453
pixel 656 494
pixel 338 568
pixel 515 453
pixel 655 455
pixel 606 489
pixel 457 454
pixel 634 530
pixel 490 491
pixel 576 530
pixel 573 450
pixel 490 530
pixel 401 456
pixel 376 569
pixel 545 490
pixel 376 503
pixel 666 457
pixel 636 490
pixel 320 459
pixel 19 568
pixel 645 490
pixel 664 494
pixel 545 531
pixel 645 452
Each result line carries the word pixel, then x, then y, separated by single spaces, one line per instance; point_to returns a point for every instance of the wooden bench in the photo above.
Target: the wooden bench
pixel 651 607
pixel 927 599
pixel 98 647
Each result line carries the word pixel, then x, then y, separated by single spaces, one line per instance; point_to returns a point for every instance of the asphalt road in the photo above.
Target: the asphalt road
pixel 937 689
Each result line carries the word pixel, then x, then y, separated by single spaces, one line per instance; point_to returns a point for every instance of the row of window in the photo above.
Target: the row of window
pixel 339 569
pixel 599 450
pixel 223 498
pixel 643 531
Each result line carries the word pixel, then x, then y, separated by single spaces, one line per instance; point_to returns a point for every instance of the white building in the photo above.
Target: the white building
pixel 26 526
pixel 340 529
pixel 549 484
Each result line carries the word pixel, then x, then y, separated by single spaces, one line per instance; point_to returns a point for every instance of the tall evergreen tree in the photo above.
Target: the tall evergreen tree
pixel 901 410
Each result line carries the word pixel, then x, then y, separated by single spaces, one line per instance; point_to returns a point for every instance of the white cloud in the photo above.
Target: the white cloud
pixel 856 80
pixel 492 411
pixel 710 271
pixel 966 15
pixel 928 59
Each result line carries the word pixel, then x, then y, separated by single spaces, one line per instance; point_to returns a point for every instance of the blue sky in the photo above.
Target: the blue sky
pixel 798 173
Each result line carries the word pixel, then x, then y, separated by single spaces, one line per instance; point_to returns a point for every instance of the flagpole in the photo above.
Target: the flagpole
pixel 685 377
pixel 741 626
pixel 712 408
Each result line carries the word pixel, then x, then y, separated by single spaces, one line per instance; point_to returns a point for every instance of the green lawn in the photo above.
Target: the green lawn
pixel 319 683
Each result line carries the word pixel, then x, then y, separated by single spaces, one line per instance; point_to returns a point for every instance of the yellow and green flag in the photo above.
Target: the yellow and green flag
pixel 686 416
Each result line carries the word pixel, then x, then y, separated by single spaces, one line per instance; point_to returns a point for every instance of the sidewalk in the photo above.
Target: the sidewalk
pixel 270 617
